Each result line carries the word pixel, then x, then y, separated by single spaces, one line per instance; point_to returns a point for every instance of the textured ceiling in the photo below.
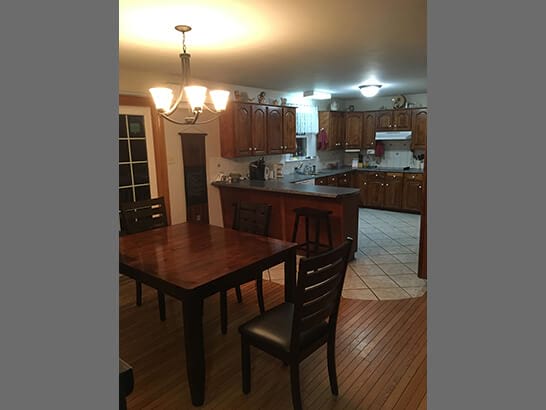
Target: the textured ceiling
pixel 283 45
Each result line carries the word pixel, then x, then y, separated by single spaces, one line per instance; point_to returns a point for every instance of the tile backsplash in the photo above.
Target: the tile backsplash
pixel 397 154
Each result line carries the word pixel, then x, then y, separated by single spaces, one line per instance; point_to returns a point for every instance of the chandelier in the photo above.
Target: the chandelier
pixel 195 94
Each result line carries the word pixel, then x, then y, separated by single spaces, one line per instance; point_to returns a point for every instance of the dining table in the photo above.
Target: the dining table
pixel 192 261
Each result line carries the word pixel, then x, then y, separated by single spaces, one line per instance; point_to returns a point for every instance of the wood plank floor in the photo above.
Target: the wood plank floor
pixel 380 353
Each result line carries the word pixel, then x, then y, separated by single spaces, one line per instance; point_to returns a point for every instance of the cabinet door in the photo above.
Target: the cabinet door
pixel 321 181
pixel 274 130
pixel 383 121
pixel 289 129
pixel 259 129
pixel 368 130
pixel 419 129
pixel 243 129
pixel 345 179
pixel 394 187
pixel 413 190
pixel 375 193
pixel 353 130
pixel 363 185
pixel 402 120
pixel 332 180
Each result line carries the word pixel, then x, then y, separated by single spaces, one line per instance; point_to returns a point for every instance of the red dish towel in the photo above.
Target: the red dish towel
pixel 379 149
pixel 322 142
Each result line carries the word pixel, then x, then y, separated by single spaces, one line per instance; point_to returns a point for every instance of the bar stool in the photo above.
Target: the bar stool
pixel 316 215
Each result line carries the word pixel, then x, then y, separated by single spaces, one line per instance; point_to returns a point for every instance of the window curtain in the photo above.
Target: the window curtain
pixel 306 119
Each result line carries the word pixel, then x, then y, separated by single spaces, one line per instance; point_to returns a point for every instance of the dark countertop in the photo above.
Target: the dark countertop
pixel 285 185
pixel 329 172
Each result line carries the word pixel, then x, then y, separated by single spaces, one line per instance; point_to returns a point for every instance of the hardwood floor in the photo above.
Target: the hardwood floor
pixel 380 354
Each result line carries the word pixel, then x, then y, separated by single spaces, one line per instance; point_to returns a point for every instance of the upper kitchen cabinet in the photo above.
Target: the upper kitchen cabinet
pixel 333 123
pixel 419 129
pixel 368 129
pixel 248 129
pixel 289 130
pixel 275 141
pixel 353 130
pixel 393 120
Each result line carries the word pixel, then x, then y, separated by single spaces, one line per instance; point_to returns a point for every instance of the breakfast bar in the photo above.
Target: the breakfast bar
pixel 285 197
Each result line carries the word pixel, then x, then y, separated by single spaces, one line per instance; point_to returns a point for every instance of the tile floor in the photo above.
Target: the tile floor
pixel 385 264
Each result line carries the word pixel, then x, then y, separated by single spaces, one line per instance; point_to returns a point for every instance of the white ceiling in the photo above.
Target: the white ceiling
pixel 286 45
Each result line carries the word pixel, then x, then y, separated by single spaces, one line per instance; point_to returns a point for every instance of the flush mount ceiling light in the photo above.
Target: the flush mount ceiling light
pixel 369 90
pixel 195 94
pixel 317 95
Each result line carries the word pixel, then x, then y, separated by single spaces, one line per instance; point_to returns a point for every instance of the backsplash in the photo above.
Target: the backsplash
pixel 397 155
pixel 240 165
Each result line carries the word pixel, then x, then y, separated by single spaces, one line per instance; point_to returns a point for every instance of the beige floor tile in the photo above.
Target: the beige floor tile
pixel 391 293
pixel 362 294
pixel 412 265
pixel 376 282
pixel 353 281
pixel 362 261
pixel 416 292
pixel 373 251
pixel 394 250
pixel 367 270
pixel 395 268
pixel 406 257
pixel 409 281
pixel 384 259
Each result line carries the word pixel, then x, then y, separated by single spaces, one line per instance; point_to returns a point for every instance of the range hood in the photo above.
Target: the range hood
pixel 393 136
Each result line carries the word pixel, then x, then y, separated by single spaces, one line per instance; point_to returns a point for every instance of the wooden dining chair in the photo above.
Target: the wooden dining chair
pixel 140 216
pixel 292 331
pixel 252 218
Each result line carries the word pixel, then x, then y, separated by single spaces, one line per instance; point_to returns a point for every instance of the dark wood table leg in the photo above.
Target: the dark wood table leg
pixel 290 276
pixel 192 312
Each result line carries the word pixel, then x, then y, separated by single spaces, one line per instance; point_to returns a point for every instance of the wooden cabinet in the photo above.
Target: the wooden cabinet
pixel 275 140
pixel 372 187
pixel 393 120
pixel 419 129
pixel 353 130
pixel 368 129
pixel 413 191
pixel 345 179
pixel 333 123
pixel 321 181
pixel 289 130
pixel 394 188
pixel 248 129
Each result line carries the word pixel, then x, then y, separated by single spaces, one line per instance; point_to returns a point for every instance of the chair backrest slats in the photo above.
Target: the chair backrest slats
pixel 252 218
pixel 318 292
pixel 142 216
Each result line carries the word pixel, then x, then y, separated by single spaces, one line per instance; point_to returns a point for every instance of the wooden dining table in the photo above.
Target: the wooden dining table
pixel 192 261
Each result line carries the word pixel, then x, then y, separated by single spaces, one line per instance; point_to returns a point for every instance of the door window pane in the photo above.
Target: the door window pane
pixel 142 192
pixel 125 195
pixel 138 151
pixel 125 175
pixel 136 126
pixel 140 174
pixel 122 126
pixel 123 151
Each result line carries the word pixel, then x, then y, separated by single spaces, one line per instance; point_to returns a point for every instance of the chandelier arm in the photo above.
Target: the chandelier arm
pixel 176 103
pixel 173 120
pixel 211 109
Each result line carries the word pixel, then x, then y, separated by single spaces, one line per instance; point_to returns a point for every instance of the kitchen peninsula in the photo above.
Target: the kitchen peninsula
pixel 284 196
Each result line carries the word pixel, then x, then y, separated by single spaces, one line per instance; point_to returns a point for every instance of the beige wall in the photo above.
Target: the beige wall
pixel 138 83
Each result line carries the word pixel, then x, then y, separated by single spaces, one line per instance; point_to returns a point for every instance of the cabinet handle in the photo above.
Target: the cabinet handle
pixel 386 184
pixel 254 148
pixel 250 149
pixel 376 175
pixel 420 187
pixel 413 177
pixel 382 184
pixel 365 183
pixel 346 143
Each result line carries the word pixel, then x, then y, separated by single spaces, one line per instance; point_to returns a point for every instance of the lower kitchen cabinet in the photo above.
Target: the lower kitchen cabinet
pixel 413 191
pixel 394 189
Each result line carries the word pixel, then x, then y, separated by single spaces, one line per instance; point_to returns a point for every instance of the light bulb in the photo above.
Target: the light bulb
pixel 162 98
pixel 220 99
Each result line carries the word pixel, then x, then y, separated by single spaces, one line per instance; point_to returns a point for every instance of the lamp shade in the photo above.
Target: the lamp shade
pixel 369 90
pixel 196 96
pixel 162 98
pixel 220 99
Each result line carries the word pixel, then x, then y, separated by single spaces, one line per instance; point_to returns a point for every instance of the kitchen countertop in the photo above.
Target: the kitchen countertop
pixel 285 185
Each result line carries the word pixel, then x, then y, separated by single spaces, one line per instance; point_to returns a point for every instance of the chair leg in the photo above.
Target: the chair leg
pixel 332 366
pixel 295 231
pixel 245 365
pixel 295 385
pixel 329 229
pixel 260 293
pixel 307 244
pixel 223 311
pixel 317 235
pixel 239 294
pixel 138 293
pixel 161 302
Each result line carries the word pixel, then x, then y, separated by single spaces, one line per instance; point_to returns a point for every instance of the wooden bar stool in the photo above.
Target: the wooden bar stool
pixel 316 216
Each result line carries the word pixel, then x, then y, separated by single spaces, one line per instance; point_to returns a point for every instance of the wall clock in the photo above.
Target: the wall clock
pixel 399 101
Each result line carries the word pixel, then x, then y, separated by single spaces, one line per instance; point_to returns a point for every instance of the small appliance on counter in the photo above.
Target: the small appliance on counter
pixel 256 170
pixel 277 170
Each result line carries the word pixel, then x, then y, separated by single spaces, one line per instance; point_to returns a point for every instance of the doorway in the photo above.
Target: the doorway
pixel 195 177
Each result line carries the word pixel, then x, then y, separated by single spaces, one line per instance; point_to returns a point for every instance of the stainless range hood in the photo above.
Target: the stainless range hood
pixel 393 136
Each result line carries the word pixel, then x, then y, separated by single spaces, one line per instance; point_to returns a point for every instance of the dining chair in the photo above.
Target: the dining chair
pixel 252 218
pixel 293 331
pixel 140 216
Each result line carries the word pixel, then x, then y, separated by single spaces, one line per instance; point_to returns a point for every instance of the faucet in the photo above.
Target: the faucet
pixel 297 169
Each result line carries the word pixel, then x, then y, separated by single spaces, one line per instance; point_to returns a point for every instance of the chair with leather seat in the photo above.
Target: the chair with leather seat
pixel 293 331
pixel 252 218
pixel 140 216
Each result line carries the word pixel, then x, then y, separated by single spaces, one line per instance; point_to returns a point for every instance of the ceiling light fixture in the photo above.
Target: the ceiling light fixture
pixel 195 94
pixel 317 95
pixel 369 90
